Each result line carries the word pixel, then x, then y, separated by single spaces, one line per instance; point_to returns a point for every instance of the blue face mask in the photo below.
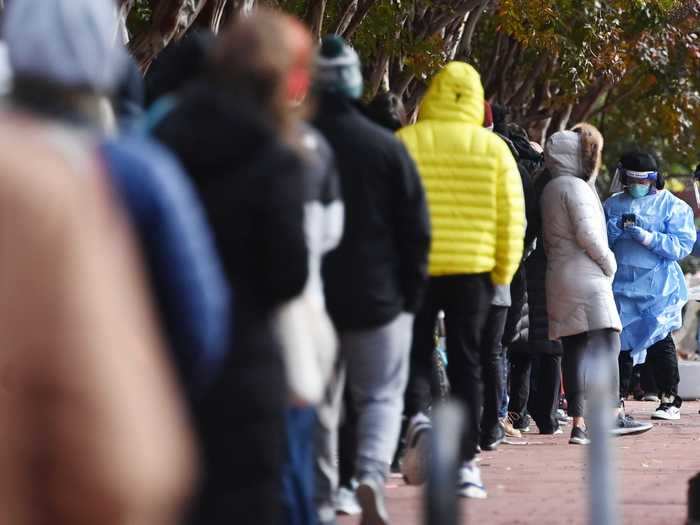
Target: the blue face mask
pixel 638 191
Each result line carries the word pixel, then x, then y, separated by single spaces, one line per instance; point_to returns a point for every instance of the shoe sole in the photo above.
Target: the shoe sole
pixel 665 417
pixel 372 513
pixel 493 445
pixel 631 431
pixel 472 492
pixel 579 441
pixel 348 511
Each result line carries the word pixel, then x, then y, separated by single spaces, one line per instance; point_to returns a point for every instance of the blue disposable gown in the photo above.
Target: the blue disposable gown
pixel 649 286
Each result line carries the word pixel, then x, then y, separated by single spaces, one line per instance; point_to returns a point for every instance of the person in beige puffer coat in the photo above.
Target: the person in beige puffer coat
pixel 581 267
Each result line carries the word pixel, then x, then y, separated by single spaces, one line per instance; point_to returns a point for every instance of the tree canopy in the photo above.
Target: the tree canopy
pixel 631 67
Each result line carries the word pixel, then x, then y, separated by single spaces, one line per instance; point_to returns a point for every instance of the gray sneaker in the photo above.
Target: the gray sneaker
pixel 628 426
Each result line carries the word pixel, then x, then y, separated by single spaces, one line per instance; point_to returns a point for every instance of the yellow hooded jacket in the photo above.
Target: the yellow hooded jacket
pixel 472 182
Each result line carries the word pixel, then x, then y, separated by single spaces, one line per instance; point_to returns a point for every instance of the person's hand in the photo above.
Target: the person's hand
pixel 641 235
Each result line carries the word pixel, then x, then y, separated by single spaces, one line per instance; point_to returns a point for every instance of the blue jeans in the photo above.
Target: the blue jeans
pixel 298 477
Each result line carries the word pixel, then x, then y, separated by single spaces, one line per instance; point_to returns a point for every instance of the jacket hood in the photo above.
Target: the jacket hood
pixel 68 42
pixel 455 94
pixel 575 153
pixel 228 131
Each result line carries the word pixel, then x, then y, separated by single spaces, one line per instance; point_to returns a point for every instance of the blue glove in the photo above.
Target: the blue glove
pixel 641 235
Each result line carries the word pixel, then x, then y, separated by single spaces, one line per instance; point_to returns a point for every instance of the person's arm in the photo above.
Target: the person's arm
pixel 283 257
pixel 413 232
pixel 677 241
pixel 584 214
pixel 614 226
pixel 510 224
pixel 332 200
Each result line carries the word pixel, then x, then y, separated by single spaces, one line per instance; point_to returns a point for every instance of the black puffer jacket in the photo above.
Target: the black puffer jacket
pixel 536 270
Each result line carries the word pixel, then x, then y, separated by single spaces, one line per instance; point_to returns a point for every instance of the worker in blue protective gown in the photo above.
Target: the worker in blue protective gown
pixel 649 230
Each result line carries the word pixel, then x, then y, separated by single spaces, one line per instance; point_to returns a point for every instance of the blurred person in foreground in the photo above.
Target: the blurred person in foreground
pixel 373 281
pixel 67 85
pixel 233 131
pixel 309 367
pixel 649 230
pixel 82 356
pixel 478 216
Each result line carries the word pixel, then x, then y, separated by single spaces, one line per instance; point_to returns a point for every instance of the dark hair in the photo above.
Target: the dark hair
pixel 180 63
pixel 638 160
pixel 388 111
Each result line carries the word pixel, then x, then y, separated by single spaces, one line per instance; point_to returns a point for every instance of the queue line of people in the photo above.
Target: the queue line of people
pixel 237 268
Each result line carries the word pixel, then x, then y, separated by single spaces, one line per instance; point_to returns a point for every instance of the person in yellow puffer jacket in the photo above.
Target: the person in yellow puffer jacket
pixel 477 212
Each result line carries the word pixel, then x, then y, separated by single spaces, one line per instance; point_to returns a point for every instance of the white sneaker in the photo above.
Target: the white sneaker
pixel 414 464
pixel 469 484
pixel 370 494
pixel 667 412
pixel 346 502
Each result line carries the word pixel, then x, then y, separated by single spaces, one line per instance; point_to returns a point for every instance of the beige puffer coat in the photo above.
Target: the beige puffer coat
pixel 580 265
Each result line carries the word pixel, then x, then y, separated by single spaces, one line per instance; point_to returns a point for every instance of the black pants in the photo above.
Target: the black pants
pixel 347 442
pixel 465 300
pixel 662 362
pixel 491 365
pixel 576 348
pixel 535 389
pixel 241 424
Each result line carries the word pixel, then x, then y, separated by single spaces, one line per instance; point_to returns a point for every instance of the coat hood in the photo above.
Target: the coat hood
pixel 575 153
pixel 68 42
pixel 455 94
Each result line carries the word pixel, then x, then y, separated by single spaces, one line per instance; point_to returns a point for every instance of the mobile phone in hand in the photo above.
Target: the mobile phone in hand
pixel 629 220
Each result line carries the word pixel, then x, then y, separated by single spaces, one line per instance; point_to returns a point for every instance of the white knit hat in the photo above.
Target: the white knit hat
pixel 70 42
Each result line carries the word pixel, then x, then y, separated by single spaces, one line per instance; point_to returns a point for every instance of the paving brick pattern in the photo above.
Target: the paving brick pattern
pixel 543 482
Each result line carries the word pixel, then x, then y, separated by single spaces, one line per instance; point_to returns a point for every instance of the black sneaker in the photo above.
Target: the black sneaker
pixel 520 423
pixel 579 436
pixel 627 426
pixel 669 409
pixel 491 439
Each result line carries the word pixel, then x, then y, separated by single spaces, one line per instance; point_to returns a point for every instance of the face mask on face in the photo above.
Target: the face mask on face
pixel 638 190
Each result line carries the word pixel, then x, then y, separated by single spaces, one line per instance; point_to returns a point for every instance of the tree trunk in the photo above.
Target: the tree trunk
pixel 346 17
pixel 211 15
pixel 168 22
pixel 363 8
pixel 465 46
pixel 560 120
pixel 314 18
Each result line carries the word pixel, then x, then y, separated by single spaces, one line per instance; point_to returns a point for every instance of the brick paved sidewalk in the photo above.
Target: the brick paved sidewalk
pixel 543 482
